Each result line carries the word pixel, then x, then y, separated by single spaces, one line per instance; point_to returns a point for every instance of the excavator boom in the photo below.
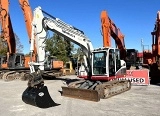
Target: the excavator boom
pixel 7 32
pixel 36 94
pixel 28 17
pixel 109 30
pixel 27 12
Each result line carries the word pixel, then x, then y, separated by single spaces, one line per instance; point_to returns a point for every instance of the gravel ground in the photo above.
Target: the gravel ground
pixel 139 101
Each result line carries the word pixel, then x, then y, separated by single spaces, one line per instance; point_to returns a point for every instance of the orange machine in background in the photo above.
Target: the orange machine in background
pixel 13 62
pixel 109 30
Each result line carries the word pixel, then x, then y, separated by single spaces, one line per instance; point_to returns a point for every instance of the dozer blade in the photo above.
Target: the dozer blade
pixel 86 94
pixel 38 97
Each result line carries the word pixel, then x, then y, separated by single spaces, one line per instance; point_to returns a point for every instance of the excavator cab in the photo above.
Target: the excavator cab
pixel 106 61
pixel 3 61
pixel 16 60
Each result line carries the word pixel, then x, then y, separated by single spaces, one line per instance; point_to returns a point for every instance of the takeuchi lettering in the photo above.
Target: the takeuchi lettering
pixel 64 31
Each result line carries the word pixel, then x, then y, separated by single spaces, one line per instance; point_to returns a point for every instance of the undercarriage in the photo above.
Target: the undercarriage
pixel 9 75
pixel 95 90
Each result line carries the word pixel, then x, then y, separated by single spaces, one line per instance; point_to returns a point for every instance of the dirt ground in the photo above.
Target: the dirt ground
pixel 139 101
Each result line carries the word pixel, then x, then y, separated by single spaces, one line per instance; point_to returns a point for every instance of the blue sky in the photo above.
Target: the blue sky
pixel 135 18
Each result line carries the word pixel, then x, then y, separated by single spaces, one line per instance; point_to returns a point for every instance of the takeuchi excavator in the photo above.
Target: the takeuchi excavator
pixel 99 66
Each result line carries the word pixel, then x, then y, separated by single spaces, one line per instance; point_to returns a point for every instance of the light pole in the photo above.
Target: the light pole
pixel 142 49
pixel 142 45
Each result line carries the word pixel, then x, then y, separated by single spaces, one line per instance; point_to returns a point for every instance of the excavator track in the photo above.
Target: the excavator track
pixel 94 91
pixel 24 74
pixel 13 75
pixel 8 76
pixel 112 88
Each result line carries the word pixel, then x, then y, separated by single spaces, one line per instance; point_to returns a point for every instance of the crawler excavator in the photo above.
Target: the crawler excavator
pixel 100 65
pixel 12 63
pixel 15 65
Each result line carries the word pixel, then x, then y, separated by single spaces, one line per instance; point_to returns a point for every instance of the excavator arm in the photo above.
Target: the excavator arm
pixel 27 13
pixel 109 29
pixel 7 32
pixel 42 24
pixel 28 17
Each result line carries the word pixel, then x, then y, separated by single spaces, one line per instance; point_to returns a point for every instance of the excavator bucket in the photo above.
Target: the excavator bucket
pixel 38 97
pixel 86 94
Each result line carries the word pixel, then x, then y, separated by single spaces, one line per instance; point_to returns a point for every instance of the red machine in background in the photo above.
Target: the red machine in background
pixel 131 56
pixel 151 59
pixel 154 60
pixel 156 41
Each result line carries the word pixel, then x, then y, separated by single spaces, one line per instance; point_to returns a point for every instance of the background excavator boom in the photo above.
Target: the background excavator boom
pixel 109 29
pixel 28 17
pixel 27 13
pixel 7 32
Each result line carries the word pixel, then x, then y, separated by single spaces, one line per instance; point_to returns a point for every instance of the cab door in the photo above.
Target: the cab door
pixel 111 62
pixel 99 63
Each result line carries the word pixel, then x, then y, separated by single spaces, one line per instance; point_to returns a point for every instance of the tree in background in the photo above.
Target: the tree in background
pixel 77 52
pixel 19 46
pixel 3 46
pixel 69 47
pixel 59 47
